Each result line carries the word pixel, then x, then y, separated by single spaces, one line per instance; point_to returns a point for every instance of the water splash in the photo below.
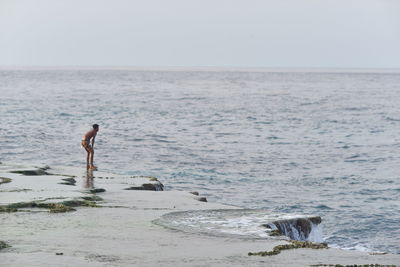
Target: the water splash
pixel 303 229
pixel 245 223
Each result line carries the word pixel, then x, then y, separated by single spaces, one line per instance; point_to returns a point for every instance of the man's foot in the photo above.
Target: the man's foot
pixel 93 167
pixel 87 167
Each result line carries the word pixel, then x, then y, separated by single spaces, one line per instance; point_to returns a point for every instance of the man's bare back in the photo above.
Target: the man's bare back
pixel 89 135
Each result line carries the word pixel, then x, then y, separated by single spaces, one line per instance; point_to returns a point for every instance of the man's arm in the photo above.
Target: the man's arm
pixel 93 141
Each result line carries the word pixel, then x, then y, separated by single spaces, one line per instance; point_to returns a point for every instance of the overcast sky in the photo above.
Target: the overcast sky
pixel 226 33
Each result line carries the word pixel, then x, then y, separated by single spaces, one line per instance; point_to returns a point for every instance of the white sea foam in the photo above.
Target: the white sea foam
pixel 239 223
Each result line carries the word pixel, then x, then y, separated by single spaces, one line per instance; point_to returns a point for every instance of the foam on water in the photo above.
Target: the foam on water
pixel 239 223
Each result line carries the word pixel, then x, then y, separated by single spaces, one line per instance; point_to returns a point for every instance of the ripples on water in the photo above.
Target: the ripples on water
pixel 311 143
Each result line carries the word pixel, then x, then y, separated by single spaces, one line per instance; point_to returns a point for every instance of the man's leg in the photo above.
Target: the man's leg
pixel 91 158
pixel 87 159
pixel 89 150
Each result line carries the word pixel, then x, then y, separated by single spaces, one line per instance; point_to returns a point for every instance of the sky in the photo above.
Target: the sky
pixel 201 33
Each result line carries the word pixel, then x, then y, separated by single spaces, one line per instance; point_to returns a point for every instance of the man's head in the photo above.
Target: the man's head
pixel 96 127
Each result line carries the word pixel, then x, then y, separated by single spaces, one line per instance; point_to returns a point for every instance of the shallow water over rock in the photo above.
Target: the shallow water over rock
pixel 242 223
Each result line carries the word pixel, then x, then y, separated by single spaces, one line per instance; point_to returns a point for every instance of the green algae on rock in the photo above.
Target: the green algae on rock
pixel 58 208
pixel 6 209
pixel 295 244
pixel 16 190
pixel 41 171
pixel 64 206
pixel 4 180
pixel 79 203
pixel 97 190
pixel 92 198
pixel 68 181
pixel 52 207
pixel 4 245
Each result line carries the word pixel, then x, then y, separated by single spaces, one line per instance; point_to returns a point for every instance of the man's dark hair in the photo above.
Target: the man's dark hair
pixel 95 126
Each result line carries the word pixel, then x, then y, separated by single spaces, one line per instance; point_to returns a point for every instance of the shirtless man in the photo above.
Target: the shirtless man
pixel 91 135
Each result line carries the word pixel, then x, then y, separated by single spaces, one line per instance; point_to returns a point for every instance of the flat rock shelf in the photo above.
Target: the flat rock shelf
pixel 66 216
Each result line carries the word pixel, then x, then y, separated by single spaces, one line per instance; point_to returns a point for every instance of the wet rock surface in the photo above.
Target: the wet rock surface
pixel 119 227
pixel 43 190
pixel 295 228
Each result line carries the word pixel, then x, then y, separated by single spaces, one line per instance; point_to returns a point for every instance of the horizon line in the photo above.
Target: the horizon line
pixel 201 68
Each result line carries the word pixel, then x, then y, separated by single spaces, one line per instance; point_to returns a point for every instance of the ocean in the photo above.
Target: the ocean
pixel 317 143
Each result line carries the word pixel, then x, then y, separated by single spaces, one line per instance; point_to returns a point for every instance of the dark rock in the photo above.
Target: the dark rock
pixel 4 245
pixel 275 233
pixel 69 181
pixel 195 193
pixel 97 190
pixel 32 172
pixel 302 226
pixel 73 203
pixel 202 199
pixel 44 168
pixel 149 187
pixel 315 220
pixel 267 226
pixel 92 198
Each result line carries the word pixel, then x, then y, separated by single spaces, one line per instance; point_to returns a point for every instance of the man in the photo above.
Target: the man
pixel 87 138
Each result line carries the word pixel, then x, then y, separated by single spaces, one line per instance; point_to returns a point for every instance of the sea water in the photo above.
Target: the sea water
pixel 321 143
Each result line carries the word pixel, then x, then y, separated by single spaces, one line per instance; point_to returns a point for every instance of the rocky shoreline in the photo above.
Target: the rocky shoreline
pixel 63 216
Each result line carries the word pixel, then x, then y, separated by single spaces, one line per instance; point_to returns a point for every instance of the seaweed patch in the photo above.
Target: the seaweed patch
pixel 295 244
pixel 4 245
pixel 4 180
pixel 16 190
pixel 97 190
pixel 68 181
pixel 92 198
pixel 32 172
pixel 59 207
